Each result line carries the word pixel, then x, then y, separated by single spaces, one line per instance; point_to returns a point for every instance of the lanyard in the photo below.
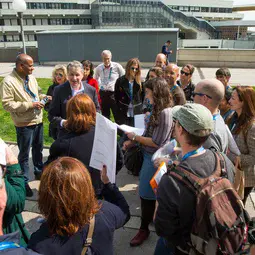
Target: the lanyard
pixel 8 245
pixel 194 152
pixel 28 90
pixel 216 116
pixel 110 73
pixel 173 88
pixel 131 91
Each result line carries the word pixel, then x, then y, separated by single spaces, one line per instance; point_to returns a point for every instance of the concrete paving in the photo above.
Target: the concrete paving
pixel 240 76
pixel 128 185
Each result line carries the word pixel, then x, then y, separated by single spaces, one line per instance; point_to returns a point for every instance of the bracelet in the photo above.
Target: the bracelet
pixel 133 139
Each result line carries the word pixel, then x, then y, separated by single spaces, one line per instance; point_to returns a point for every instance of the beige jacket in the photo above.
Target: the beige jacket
pixel 247 149
pixel 18 102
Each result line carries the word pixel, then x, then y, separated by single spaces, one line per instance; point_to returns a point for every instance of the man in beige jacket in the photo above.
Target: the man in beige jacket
pixel 20 97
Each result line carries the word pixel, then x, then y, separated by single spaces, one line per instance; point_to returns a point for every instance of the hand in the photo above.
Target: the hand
pixel 11 159
pixel 49 98
pixel 158 161
pixel 130 135
pixel 127 145
pixel 177 151
pixel 238 162
pixel 38 105
pixel 176 162
pixel 104 177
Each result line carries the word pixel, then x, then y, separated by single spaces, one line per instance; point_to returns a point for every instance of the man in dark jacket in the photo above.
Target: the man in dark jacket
pixel 176 203
pixel 62 93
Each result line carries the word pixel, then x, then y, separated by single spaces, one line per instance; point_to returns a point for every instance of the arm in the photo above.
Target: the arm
pixel 249 158
pixel 164 50
pixel 95 99
pixel 9 104
pixel 15 188
pixel 97 75
pixel 121 70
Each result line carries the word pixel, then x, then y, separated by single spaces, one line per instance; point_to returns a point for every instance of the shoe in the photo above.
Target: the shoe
pixel 140 237
pixel 29 192
pixel 38 176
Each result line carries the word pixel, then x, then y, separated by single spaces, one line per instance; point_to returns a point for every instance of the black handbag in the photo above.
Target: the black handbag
pixel 133 160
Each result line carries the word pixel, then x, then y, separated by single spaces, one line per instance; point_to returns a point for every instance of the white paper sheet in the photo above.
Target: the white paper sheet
pixel 105 146
pixel 160 173
pixel 129 129
pixel 139 121
pixel 2 152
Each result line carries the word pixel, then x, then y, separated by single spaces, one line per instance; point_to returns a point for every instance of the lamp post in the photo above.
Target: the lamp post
pixel 20 6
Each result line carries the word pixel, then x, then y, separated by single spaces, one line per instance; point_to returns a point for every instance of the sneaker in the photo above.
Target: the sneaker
pixel 29 192
pixel 38 176
pixel 140 237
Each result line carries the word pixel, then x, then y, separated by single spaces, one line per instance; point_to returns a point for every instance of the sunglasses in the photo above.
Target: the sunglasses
pixel 134 69
pixel 187 74
pixel 59 74
pixel 200 94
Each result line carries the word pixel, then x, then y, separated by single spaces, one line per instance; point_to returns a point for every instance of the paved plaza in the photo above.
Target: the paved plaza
pixel 240 76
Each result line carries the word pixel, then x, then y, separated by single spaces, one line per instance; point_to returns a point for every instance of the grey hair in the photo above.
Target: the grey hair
pixel 75 65
pixel 106 52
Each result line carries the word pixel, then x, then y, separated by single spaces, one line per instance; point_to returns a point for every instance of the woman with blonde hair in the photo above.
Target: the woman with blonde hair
pixel 242 126
pixel 59 76
pixel 67 201
pixel 128 93
pixel 77 137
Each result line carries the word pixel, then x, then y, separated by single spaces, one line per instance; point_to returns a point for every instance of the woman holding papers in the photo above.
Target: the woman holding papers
pixel 129 93
pixel 157 133
pixel 242 126
pixel 77 137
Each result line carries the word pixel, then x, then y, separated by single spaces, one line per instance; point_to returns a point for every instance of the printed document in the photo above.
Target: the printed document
pixel 105 146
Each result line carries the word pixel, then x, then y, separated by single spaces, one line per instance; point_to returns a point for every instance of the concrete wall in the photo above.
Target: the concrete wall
pixel 67 46
pixel 9 55
pixel 217 57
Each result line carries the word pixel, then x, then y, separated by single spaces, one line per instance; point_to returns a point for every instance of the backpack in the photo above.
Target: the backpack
pixel 221 222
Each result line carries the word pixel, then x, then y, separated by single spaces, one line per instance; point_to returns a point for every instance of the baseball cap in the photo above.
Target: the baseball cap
pixel 193 118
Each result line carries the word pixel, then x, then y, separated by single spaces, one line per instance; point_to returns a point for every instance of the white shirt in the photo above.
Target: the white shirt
pixel 107 77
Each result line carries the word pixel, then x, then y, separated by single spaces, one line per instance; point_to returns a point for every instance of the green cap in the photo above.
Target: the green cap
pixel 193 118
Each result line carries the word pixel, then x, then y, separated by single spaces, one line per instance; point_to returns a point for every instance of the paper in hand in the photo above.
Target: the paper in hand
pixel 2 152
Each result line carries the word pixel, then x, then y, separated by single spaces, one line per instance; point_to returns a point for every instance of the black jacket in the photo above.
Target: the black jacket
pixel 62 94
pixel 113 214
pixel 80 146
pixel 188 91
pixel 122 96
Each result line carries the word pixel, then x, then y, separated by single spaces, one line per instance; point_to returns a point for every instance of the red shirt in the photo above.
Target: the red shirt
pixel 93 82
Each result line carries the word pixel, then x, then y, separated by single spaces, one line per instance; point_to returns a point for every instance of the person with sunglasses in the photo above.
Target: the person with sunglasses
pixel 128 93
pixel 171 74
pixel 59 76
pixel 185 81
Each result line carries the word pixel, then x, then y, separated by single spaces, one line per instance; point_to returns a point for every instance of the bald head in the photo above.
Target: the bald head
pixel 211 88
pixel 160 60
pixel 171 74
pixel 24 65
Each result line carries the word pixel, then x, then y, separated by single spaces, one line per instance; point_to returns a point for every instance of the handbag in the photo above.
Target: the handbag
pixel 239 179
pixel 133 159
pixel 89 239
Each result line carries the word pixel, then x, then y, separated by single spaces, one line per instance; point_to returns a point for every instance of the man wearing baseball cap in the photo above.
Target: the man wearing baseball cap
pixel 176 204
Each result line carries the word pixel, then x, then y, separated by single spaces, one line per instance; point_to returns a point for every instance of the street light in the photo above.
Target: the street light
pixel 20 6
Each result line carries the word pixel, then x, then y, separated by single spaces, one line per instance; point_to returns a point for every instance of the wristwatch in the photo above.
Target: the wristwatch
pixel 133 139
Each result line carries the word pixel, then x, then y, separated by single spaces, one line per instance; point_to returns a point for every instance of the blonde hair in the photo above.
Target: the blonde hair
pixel 57 68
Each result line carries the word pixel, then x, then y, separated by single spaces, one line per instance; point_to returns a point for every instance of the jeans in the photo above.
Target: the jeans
pixel 27 137
pixel 162 248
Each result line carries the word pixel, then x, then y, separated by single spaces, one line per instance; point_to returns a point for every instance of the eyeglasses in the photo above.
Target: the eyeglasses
pixel 59 74
pixel 200 94
pixel 134 69
pixel 187 74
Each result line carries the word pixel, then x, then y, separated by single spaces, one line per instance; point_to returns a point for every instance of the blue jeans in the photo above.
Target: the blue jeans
pixel 162 248
pixel 27 137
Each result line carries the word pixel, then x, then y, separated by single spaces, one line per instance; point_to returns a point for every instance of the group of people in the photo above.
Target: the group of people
pixel 81 208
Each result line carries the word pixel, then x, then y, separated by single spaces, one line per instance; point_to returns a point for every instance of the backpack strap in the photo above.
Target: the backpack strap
pixel 89 239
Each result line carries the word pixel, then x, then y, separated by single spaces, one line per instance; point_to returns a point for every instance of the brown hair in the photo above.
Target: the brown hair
pixel 134 61
pixel 81 114
pixel 157 70
pixel 87 63
pixel 246 95
pixel 66 196
pixel 161 97
pixel 223 72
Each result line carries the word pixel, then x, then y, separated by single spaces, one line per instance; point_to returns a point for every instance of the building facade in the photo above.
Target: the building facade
pixel 192 17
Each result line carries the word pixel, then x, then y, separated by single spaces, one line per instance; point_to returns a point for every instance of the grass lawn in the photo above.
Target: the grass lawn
pixel 7 129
